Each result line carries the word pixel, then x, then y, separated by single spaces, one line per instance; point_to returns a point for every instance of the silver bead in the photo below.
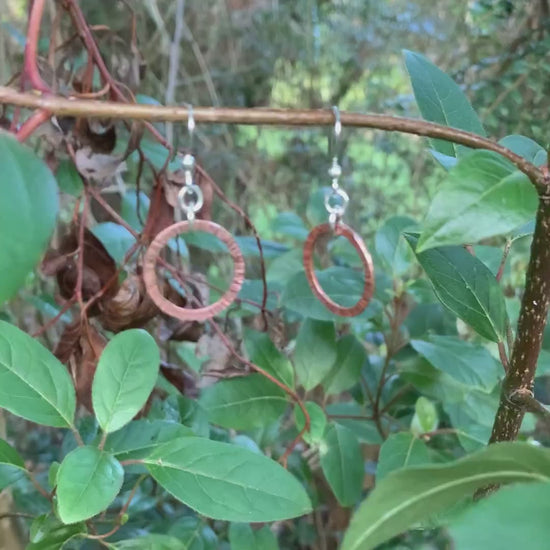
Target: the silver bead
pixel 335 171
pixel 188 162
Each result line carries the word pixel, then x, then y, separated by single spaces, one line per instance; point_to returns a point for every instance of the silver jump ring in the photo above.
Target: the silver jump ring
pixel 194 205
pixel 337 208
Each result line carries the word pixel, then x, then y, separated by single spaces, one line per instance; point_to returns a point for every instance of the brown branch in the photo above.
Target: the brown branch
pixel 532 321
pixel 259 116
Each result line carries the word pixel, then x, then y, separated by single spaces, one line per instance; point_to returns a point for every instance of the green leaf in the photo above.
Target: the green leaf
pixel 525 147
pixel 365 430
pixel 28 210
pixel 194 533
pixel 151 541
pixel 315 352
pixel 68 178
pixel 468 363
pixel 342 284
pixel 129 209
pixel 48 533
pixel 243 537
pixel 12 466
pixel 116 239
pixel 227 482
pixel 390 245
pixel 514 517
pixel 125 376
pixel 263 353
pixel 425 417
pixel 441 100
pixel 88 481
pixel 484 196
pixel 318 422
pixel 408 496
pixel 138 438
pixel 290 225
pixel 351 355
pixel 244 403
pixel 465 286
pixel 343 465
pixel 35 385
pixel 399 451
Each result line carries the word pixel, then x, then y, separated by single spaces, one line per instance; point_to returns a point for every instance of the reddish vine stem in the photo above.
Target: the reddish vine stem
pixel 30 66
pixel 30 125
pixel 66 306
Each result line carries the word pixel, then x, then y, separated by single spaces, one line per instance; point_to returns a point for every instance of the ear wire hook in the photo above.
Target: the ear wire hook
pixel 337 200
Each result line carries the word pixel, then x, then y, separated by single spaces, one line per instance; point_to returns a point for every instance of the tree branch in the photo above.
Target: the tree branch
pixel 222 115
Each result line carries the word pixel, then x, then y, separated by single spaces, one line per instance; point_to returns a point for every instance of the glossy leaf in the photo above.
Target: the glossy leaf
pixel 342 464
pixel 244 403
pixel 262 351
pixel 470 364
pixel 400 451
pixel 12 466
pixel 441 100
pixel 243 537
pixel 194 532
pixel 514 517
pixel 484 196
pixel 467 287
pixel 88 481
pixel 317 419
pixel 125 376
pixel 28 210
pixel 408 496
pixel 34 384
pixel 315 352
pixel 351 355
pixel 227 482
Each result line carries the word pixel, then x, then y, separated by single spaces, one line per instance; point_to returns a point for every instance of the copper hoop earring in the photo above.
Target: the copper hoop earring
pixel 191 200
pixel 150 275
pixel 340 230
pixel 336 203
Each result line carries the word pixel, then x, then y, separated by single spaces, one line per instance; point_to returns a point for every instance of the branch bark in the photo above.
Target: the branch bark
pixel 260 116
pixel 518 383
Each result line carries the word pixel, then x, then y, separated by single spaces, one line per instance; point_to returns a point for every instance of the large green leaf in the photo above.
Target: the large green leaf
pixel 88 480
pixel 441 100
pixel 343 465
pixel 262 351
pixel 410 495
pixel 315 352
pixel 484 196
pixel 465 286
pixel 227 482
pixel 12 466
pixel 514 517
pixel 243 537
pixel 470 364
pixel 28 210
pixel 125 376
pixel 399 451
pixel 350 358
pixel 244 403
pixel 33 383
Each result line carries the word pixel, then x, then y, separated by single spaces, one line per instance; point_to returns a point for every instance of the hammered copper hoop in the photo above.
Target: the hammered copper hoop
pixel 150 275
pixel 339 230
